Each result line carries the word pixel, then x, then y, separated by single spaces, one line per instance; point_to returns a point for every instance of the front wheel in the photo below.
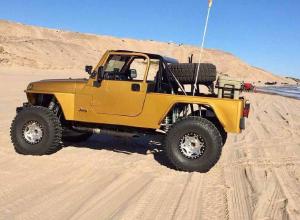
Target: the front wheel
pixel 193 144
pixel 36 130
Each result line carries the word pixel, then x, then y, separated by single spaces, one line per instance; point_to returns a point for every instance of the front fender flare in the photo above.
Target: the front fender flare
pixel 65 100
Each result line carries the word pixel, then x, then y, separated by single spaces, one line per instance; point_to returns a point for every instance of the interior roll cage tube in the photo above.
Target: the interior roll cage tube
pixel 164 75
pixel 172 74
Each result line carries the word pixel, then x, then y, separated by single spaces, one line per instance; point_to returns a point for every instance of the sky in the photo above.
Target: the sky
pixel 264 33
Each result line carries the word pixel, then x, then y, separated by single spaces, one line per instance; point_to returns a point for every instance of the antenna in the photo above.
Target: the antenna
pixel 202 45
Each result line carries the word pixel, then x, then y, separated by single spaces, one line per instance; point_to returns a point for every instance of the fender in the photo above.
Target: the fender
pixel 65 100
pixel 228 111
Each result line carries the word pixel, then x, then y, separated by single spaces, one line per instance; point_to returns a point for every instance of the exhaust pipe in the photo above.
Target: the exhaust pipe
pixel 89 130
pixel 105 131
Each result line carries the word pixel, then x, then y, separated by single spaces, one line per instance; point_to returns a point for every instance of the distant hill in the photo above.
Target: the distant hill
pixel 36 47
pixel 295 79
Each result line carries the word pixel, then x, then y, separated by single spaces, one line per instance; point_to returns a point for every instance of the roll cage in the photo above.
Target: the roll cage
pixel 163 82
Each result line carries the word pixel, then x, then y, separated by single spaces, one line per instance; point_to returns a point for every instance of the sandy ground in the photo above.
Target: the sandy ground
pixel 257 176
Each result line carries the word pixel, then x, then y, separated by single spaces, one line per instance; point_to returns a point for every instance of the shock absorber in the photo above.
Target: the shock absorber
pixel 53 106
pixel 167 123
pixel 175 114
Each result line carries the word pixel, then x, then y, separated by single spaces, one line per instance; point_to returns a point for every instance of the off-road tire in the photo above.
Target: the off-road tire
pixel 51 127
pixel 186 72
pixel 69 135
pixel 218 125
pixel 202 127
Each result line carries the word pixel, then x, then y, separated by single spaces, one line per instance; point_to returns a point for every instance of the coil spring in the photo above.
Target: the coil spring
pixel 53 106
pixel 167 124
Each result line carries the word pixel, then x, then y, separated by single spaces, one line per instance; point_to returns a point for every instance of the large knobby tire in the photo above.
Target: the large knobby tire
pixel 203 133
pixel 221 129
pixel 186 72
pixel 36 131
pixel 69 135
pixel 218 125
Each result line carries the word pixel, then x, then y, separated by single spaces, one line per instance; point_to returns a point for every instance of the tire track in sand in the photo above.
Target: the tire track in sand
pixel 181 196
pixel 108 202
pixel 258 190
pixel 158 200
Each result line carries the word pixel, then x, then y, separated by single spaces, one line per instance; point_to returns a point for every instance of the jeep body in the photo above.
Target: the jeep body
pixel 115 102
pixel 131 92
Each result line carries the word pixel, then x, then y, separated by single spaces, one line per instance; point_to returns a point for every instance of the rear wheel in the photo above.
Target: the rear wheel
pixel 36 131
pixel 218 125
pixel 193 144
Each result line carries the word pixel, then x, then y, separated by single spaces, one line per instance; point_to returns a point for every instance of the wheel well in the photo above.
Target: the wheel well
pixel 45 100
pixel 209 113
pixel 40 99
pixel 180 110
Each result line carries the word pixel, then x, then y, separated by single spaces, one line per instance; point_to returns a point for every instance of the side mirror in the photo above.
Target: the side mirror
pixel 100 73
pixel 133 73
pixel 100 76
pixel 88 69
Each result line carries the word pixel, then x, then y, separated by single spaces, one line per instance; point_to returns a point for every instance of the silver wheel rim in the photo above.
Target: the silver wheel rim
pixel 32 132
pixel 192 145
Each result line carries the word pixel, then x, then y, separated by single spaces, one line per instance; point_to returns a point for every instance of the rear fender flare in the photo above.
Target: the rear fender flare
pixel 227 114
pixel 219 114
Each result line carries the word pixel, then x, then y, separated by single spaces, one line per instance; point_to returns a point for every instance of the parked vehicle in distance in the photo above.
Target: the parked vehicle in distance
pixel 248 87
pixel 270 83
pixel 133 93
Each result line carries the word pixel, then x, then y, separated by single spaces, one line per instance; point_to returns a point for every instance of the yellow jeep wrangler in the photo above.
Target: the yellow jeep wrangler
pixel 133 93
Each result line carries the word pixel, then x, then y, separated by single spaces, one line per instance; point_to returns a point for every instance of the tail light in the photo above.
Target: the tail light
pixel 246 109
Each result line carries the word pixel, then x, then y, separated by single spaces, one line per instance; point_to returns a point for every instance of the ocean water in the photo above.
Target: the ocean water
pixel 288 91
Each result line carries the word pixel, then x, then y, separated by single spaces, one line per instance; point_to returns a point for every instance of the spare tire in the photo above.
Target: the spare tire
pixel 186 72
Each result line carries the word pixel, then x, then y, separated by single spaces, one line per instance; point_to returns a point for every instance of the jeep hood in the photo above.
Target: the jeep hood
pixel 56 85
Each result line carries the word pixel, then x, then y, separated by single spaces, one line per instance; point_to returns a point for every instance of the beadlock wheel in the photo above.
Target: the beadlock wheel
pixel 32 132
pixel 192 145
pixel 36 130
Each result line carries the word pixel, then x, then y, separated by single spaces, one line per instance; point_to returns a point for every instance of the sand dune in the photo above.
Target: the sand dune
pixel 41 48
